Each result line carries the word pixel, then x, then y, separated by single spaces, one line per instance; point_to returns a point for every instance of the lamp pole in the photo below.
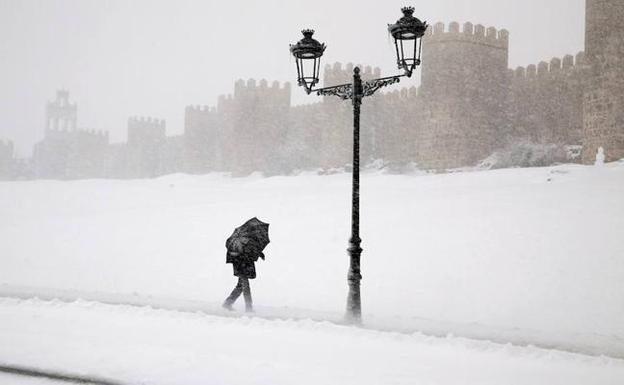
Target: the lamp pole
pixel 354 304
pixel 356 91
pixel 408 30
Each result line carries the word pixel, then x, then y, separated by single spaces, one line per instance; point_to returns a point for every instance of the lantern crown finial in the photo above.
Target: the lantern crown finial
pixel 408 11
pixel 308 47
pixel 408 27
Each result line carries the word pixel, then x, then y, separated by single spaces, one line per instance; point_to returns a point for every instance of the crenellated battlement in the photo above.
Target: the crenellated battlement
pixel 251 86
pixel 93 133
pixel 251 91
pixel 337 70
pixel 147 122
pixel 225 98
pixel 145 131
pixel 469 33
pixel 406 93
pixel 337 73
pixel 200 109
pixel 555 67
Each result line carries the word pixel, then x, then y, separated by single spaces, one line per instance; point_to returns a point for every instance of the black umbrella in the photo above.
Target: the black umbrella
pixel 247 241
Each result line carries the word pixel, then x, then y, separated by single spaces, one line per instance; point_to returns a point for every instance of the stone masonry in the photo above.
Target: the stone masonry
pixel 603 104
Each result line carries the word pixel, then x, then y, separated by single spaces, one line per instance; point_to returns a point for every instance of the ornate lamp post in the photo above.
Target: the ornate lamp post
pixel 407 33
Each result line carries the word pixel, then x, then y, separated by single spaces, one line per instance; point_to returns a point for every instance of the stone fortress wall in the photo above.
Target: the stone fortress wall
pixel 546 100
pixel 603 101
pixel 147 138
pixel 469 105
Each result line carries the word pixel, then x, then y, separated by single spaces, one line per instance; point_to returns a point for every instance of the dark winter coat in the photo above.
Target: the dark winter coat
pixel 243 263
pixel 244 269
pixel 242 256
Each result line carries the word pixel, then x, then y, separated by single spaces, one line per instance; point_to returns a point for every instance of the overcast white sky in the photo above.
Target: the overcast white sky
pixel 154 57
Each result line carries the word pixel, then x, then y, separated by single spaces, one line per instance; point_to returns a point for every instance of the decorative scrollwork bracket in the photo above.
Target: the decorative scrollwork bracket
pixel 371 86
pixel 345 91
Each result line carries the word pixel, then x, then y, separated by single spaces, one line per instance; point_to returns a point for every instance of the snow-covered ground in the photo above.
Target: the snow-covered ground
pixel 531 256
pixel 144 346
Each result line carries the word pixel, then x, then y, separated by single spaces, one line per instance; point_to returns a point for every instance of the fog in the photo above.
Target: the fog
pixel 122 58
pixel 484 194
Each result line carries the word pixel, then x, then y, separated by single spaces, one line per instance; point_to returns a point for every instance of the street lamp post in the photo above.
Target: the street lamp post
pixel 407 33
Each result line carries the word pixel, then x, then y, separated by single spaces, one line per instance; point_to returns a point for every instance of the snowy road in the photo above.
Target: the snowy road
pixel 149 346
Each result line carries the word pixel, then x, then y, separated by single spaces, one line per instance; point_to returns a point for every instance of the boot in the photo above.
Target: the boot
pixel 227 305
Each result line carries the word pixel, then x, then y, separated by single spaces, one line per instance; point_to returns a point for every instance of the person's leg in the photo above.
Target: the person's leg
pixel 247 294
pixel 229 301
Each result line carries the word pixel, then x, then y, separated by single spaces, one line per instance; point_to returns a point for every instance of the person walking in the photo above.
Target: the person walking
pixel 244 248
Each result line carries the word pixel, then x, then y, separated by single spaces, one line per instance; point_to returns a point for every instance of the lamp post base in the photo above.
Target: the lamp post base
pixel 354 304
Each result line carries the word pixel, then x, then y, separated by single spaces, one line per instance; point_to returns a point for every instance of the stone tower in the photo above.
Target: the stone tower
pixel 146 142
pixel 464 87
pixel 67 152
pixel 603 104
pixel 60 113
pixel 254 124
pixel 603 23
